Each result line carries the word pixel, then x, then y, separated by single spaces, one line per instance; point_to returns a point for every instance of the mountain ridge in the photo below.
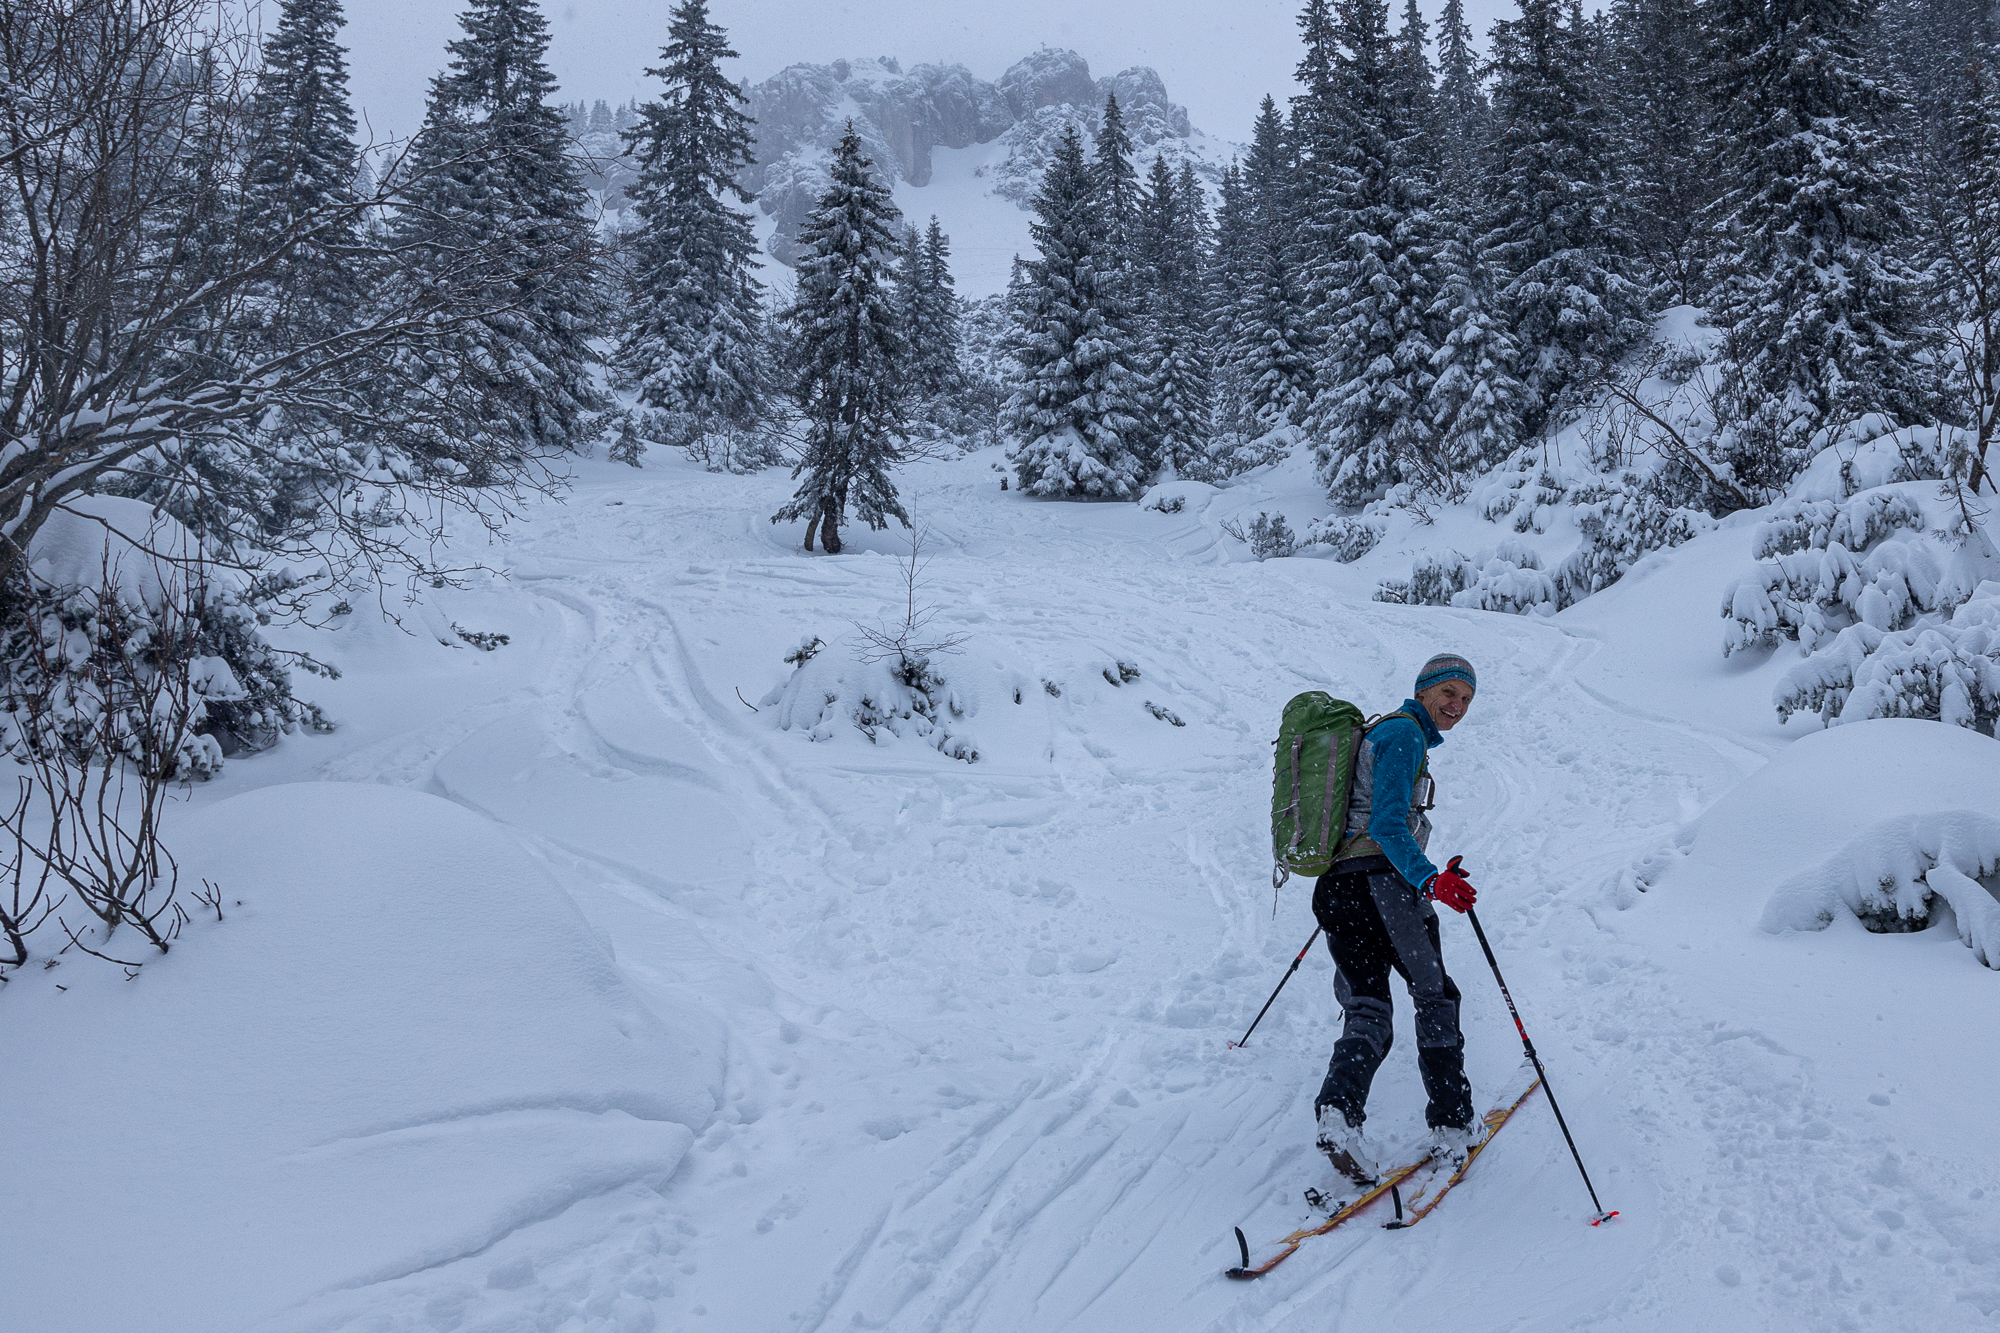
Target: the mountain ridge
pixel 904 117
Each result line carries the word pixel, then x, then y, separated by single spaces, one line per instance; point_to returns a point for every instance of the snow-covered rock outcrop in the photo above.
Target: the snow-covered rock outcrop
pixel 903 116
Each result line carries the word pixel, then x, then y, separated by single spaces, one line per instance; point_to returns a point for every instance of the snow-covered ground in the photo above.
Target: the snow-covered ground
pixel 568 992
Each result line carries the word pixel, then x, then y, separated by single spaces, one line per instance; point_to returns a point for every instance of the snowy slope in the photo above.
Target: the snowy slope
pixel 965 1025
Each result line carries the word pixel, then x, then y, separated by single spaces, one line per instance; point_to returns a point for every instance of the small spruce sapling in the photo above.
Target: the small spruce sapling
pixel 1271 537
pixel 910 642
pixel 628 448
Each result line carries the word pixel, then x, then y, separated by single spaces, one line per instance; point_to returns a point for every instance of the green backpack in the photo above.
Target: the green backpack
pixel 1318 739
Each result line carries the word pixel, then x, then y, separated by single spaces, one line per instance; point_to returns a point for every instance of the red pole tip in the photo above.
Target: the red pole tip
pixel 1600 1221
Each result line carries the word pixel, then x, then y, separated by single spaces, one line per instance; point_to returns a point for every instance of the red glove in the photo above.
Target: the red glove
pixel 1450 887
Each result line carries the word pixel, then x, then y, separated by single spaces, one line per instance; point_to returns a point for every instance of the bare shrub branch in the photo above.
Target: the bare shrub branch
pixel 909 642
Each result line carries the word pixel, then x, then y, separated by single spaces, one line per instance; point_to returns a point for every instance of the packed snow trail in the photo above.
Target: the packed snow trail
pixel 972 1019
pixel 976 1014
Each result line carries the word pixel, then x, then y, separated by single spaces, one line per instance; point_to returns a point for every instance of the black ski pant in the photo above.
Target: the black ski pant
pixel 1374 922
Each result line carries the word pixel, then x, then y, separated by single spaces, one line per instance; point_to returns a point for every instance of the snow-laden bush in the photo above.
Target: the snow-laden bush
pixel 1623 519
pixel 831 692
pixel 630 446
pixel 1347 538
pixel 1436 577
pixel 1507 578
pixel 1523 485
pixel 1271 538
pixel 1512 581
pixel 1233 453
pixel 1624 514
pixel 1805 525
pixel 116 595
pixel 718 449
pixel 1889 583
pixel 1825 565
pixel 1949 672
pixel 1174 497
pixel 1894 875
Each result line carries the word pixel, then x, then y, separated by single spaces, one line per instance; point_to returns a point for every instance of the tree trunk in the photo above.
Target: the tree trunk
pixel 829 526
pixel 811 528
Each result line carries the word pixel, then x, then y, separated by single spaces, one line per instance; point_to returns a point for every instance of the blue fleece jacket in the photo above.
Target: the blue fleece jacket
pixel 1399 748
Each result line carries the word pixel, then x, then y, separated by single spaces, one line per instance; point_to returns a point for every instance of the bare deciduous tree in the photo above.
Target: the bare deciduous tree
pixel 149 340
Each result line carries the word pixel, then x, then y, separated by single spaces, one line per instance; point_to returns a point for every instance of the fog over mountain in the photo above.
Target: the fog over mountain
pixel 1218 59
pixel 907 117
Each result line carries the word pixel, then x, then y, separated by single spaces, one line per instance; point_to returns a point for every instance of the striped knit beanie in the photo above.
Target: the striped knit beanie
pixel 1446 666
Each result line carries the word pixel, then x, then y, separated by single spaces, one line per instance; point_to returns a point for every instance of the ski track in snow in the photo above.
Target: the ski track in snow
pixel 976 1014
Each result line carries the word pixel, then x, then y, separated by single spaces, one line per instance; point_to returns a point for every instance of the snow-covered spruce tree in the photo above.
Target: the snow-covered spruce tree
pixel 928 312
pixel 1270 346
pixel 1657 120
pixel 1819 308
pixel 694 337
pixel 1369 424
pixel 1413 89
pixel 190 240
pixel 1462 114
pixel 1475 404
pixel 491 172
pixel 1231 264
pixel 1117 180
pixel 1961 233
pixel 1076 415
pixel 302 163
pixel 1314 174
pixel 1315 109
pixel 985 367
pixel 849 360
pixel 1118 197
pixel 929 306
pixel 1554 232
pixel 1167 267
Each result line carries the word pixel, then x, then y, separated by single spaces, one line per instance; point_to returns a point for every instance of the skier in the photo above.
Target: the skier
pixel 1374 905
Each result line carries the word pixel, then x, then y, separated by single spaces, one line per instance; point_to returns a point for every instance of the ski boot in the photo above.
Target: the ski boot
pixel 1347 1147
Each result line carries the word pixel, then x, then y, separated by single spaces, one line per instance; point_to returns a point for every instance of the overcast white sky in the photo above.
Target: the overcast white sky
pixel 1218 57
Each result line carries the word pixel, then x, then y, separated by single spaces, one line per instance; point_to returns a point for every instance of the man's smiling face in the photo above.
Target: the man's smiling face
pixel 1446 702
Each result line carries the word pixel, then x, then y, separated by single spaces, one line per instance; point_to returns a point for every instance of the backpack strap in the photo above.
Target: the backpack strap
pixel 1298 826
pixel 1326 806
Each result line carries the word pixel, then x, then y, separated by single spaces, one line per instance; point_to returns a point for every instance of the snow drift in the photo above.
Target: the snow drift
pixel 1883 821
pixel 401 1043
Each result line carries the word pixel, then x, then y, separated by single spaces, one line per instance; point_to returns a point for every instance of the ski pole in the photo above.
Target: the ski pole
pixel 1536 1060
pixel 1274 994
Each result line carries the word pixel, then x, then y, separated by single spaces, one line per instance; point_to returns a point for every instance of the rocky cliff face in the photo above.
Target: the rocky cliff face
pixel 903 116
pixel 801 112
pixel 1157 126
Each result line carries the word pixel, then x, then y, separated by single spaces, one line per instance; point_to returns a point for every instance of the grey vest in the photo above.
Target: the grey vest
pixel 1355 842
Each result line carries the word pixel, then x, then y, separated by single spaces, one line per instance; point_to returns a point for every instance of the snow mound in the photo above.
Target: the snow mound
pixel 833 692
pixel 1892 876
pixel 95 535
pixel 401 1044
pixel 1879 820
pixel 1171 497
